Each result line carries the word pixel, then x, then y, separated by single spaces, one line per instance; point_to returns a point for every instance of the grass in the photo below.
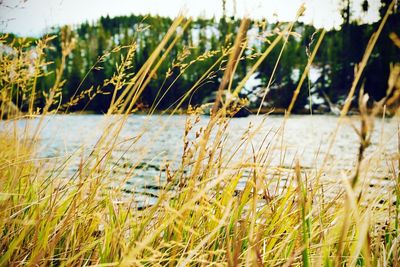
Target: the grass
pixel 199 218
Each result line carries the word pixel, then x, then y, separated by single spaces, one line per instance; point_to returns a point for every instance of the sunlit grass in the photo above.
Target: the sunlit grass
pixel 200 217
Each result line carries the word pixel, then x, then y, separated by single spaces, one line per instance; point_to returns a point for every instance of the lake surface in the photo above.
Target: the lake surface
pixel 158 140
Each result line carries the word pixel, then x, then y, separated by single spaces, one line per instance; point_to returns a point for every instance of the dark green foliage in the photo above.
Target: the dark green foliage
pixel 93 60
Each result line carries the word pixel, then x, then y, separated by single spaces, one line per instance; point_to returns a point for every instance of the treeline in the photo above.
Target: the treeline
pixel 99 47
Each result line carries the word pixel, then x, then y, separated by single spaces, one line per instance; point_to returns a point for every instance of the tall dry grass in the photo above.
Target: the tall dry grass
pixel 199 218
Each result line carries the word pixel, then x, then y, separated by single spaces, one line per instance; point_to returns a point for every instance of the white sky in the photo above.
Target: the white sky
pixel 33 17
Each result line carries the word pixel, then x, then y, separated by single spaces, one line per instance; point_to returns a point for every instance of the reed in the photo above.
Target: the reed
pixel 200 217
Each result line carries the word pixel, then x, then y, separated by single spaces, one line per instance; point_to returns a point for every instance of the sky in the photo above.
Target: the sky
pixel 35 17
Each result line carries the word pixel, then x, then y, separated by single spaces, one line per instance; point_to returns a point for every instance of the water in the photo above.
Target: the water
pixel 159 141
